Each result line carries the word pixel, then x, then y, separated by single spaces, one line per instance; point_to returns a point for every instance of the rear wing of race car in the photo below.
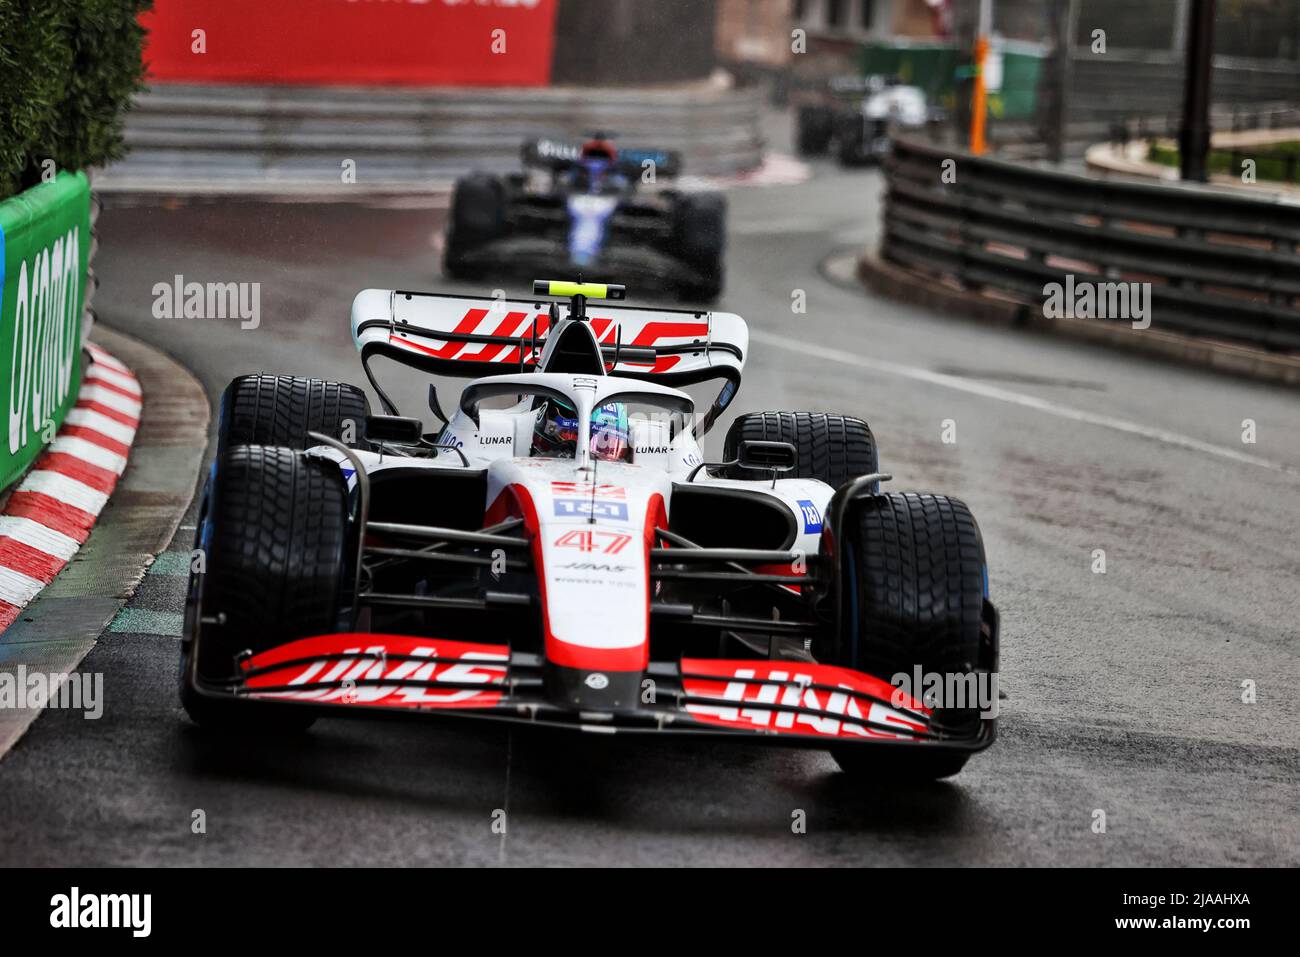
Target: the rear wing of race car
pixel 852 85
pixel 558 155
pixel 471 337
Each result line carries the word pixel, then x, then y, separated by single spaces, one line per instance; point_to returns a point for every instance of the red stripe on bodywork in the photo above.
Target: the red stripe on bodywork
pixel 656 517
pixel 534 332
pixel 739 699
pixel 490 352
pixel 568 655
pixel 516 502
pixel 652 332
pixel 468 323
pixel 459 661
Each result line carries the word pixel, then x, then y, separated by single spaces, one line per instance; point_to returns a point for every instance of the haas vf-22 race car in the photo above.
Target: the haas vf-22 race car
pixel 557 553
pixel 593 210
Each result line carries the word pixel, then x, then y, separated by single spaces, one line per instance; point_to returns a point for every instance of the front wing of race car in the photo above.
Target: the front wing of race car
pixel 783 701
pixel 623 259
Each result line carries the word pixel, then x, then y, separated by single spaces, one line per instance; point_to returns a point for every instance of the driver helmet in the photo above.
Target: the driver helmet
pixel 598 148
pixel 556 432
pixel 610 437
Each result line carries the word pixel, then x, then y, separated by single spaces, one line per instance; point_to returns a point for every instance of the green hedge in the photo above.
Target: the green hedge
pixel 68 69
pixel 1273 161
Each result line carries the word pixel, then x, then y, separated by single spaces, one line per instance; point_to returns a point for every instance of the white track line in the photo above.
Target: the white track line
pixel 1018 398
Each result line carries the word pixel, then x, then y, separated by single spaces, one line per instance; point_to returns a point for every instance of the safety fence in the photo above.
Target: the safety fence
pixel 45 247
pixel 1219 264
pixel 259 133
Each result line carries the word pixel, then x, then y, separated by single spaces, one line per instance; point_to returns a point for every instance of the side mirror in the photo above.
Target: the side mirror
pixel 394 428
pixel 767 456
pixel 434 405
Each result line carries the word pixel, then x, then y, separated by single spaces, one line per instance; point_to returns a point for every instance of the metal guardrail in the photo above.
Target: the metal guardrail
pixel 1023 139
pixel 1109 86
pixel 1220 265
pixel 180 130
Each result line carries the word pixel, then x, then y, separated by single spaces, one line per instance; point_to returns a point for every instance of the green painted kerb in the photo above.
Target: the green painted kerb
pixel 44 245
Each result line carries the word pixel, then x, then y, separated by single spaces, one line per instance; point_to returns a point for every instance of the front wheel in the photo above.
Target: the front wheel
pixel 914 588
pixel 273 540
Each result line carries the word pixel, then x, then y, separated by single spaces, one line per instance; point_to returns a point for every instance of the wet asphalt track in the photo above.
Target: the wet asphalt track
pixel 1123 688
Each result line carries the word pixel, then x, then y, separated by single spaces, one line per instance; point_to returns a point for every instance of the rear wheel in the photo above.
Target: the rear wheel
pixel 832 448
pixel 699 238
pixel 477 216
pixel 851 138
pixel 849 152
pixel 813 130
pixel 273 538
pixel 914 588
pixel 280 410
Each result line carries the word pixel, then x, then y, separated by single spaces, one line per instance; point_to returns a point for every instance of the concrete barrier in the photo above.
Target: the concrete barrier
pixel 45 241
pixel 254 133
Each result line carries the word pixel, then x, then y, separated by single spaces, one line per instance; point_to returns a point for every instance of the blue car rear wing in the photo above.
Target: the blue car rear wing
pixel 556 155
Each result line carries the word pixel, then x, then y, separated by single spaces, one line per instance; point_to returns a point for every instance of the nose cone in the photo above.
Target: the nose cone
pixel 591 552
pixel 584 690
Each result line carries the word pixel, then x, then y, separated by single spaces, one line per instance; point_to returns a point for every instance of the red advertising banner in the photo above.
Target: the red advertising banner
pixel 352 42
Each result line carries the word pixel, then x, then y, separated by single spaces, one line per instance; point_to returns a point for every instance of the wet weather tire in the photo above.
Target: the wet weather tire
pixel 280 410
pixel 274 540
pixel 813 130
pixel 914 586
pixel 699 238
pixel 832 448
pixel 477 217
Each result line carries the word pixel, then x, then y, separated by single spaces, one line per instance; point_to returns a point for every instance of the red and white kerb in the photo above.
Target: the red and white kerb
pixel 50 514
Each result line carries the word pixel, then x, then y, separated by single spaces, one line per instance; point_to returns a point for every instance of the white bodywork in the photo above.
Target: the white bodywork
pixel 903 104
pixel 592 521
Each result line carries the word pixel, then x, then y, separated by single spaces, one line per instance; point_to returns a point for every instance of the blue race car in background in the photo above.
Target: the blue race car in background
pixel 593 210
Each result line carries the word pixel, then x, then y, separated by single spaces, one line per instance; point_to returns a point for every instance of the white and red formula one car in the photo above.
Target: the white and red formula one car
pixel 559 553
